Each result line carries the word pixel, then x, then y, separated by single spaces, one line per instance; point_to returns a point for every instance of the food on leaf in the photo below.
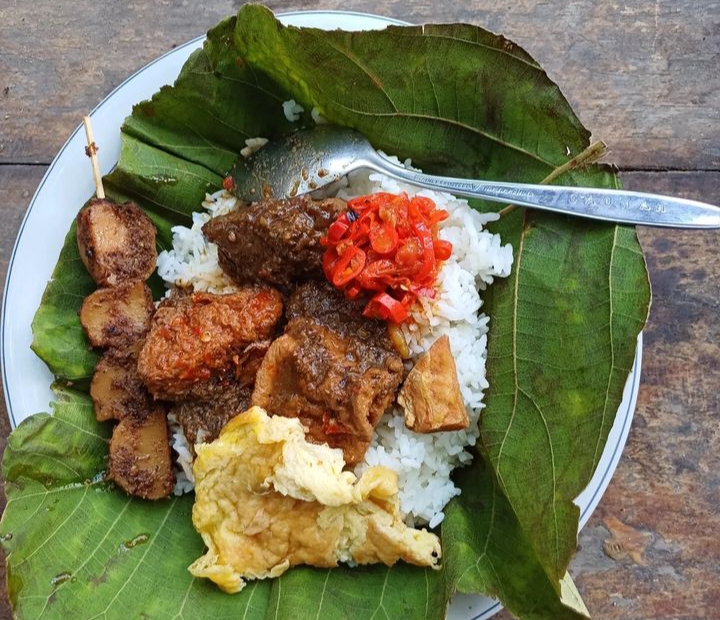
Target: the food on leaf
pixel 198 343
pixel 386 246
pixel 225 101
pixel 431 395
pixel 334 369
pixel 116 242
pixel 116 388
pixel 117 316
pixel 140 460
pixel 266 499
pixel 273 241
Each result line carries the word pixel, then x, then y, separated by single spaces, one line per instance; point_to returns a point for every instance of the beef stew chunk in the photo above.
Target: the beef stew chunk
pixel 325 305
pixel 333 369
pixel 200 344
pixel 274 241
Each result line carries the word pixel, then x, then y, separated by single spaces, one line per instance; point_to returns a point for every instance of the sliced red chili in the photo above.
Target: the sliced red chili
pixel 386 307
pixel 439 216
pixel 354 291
pixel 330 259
pixel 443 249
pixel 428 255
pixel 349 265
pixel 375 275
pixel 383 238
pixel 409 252
pixel 337 229
pixel 387 245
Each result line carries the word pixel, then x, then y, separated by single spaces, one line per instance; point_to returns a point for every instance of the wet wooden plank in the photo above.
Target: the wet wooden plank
pixel 642 75
pixel 17 186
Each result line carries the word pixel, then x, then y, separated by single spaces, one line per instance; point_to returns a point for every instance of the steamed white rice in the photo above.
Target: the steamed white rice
pixel 292 110
pixel 423 462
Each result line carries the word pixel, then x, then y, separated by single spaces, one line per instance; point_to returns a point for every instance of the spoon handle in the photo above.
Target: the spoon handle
pixel 610 205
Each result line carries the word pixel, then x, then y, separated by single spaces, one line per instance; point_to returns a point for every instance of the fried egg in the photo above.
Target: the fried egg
pixel 266 500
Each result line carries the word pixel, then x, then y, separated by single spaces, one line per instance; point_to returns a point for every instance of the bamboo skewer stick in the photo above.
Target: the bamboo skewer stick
pixel 91 151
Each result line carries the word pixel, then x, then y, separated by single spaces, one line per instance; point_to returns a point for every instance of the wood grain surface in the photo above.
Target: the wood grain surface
pixel 645 77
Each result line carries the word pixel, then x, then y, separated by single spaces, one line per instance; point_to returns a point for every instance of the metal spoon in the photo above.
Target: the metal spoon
pixel 310 159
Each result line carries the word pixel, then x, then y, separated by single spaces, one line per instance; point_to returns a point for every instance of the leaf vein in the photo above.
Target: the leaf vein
pixel 55 531
pixel 141 560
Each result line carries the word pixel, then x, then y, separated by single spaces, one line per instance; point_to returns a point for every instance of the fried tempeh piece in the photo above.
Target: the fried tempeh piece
pixel 116 242
pixel 113 317
pixel 116 389
pixel 140 460
pixel 431 394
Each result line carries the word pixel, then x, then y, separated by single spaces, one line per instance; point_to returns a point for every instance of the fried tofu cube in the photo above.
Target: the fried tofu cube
pixel 116 389
pixel 116 242
pixel 431 395
pixel 140 461
pixel 114 317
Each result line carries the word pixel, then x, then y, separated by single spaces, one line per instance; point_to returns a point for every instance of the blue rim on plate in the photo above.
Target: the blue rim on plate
pixel 617 438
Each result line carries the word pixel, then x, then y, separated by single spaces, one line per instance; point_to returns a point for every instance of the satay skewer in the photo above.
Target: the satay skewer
pixel 116 243
pixel 91 151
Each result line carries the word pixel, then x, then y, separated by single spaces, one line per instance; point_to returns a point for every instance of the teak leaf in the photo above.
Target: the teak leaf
pixel 487 551
pixel 455 98
pixel 58 338
pixel 562 342
pixel 78 548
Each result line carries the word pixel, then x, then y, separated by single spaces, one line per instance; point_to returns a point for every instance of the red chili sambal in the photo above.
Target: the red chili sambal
pixel 386 247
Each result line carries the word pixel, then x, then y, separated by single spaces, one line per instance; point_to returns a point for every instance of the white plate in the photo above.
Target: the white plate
pixel 68 184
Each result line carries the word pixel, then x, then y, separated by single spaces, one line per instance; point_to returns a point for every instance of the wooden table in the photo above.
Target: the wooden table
pixel 643 76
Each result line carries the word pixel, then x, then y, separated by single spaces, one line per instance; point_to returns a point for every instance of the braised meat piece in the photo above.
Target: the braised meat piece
pixel 140 461
pixel 116 316
pixel 333 369
pixel 200 344
pixel 203 420
pixel 116 388
pixel 324 304
pixel 274 241
pixel 116 242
